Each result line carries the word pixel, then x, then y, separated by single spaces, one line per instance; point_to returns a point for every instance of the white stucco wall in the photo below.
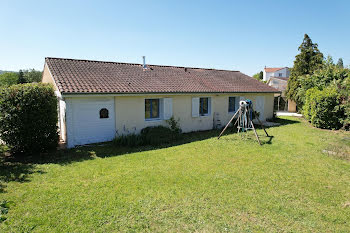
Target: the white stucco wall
pixel 130 114
pixel 130 111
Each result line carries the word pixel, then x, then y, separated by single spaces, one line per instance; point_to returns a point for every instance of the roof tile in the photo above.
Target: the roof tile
pixel 84 76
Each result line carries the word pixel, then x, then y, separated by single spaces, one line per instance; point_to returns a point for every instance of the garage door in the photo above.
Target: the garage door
pixel 92 120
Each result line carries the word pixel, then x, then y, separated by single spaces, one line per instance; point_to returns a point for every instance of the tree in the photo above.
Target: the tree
pixel 32 76
pixel 306 62
pixel 8 79
pixel 340 63
pixel 259 76
pixel 21 78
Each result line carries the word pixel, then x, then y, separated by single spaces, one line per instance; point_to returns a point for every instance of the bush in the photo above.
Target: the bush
pixel 154 135
pixel 28 118
pixel 322 108
pixel 129 140
pixel 157 135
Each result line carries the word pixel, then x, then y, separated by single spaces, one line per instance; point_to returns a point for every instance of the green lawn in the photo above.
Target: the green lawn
pixel 202 184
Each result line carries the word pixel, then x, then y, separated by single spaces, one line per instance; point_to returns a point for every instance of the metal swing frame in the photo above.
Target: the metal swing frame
pixel 245 119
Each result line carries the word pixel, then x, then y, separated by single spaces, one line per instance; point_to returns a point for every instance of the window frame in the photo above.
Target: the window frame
pixel 151 108
pixel 234 104
pixel 201 107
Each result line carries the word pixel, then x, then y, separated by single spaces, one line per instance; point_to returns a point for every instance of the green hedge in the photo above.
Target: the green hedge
pixel 28 118
pixel 323 108
pixel 154 135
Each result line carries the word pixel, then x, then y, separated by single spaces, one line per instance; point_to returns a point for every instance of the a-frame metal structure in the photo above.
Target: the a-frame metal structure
pixel 245 119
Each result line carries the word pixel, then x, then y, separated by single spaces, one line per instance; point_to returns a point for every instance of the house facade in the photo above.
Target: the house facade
pixel 275 72
pixel 278 78
pixel 101 100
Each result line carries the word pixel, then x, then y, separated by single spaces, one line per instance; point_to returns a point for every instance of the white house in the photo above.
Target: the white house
pixel 275 72
pixel 278 78
pixel 100 100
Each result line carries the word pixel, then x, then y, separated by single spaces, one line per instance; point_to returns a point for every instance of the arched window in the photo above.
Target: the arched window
pixel 104 113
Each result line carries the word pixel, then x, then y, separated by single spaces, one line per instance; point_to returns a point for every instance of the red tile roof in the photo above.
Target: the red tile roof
pixel 85 76
pixel 273 69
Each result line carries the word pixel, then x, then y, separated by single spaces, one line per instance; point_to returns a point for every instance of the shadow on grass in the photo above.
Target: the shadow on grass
pixel 18 169
pixel 13 171
pixel 284 121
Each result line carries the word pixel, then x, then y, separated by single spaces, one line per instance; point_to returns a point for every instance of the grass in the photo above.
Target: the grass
pixel 201 184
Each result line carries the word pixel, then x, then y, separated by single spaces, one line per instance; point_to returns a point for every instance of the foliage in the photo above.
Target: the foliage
pixel 21 78
pixel 259 76
pixel 32 76
pixel 306 62
pixel 153 135
pixel 130 140
pixel 344 90
pixel 322 108
pixel 157 135
pixel 340 63
pixel 174 125
pixel 8 79
pixel 28 117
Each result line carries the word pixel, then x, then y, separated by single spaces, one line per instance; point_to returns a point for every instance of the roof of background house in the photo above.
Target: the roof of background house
pixel 84 76
pixel 279 83
pixel 273 69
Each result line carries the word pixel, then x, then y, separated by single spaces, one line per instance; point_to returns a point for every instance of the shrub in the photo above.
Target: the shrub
pixel 28 118
pixel 174 125
pixel 128 140
pixel 322 108
pixel 157 135
pixel 154 135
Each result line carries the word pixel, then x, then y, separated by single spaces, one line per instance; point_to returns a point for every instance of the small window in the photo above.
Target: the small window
pixel 279 74
pixel 151 108
pixel 203 106
pixel 231 104
pixel 104 113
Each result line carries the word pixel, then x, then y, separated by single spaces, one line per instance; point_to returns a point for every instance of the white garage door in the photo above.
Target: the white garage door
pixel 92 120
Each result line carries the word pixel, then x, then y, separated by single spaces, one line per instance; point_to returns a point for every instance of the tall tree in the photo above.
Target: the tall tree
pixel 21 78
pixel 259 76
pixel 340 63
pixel 32 76
pixel 306 62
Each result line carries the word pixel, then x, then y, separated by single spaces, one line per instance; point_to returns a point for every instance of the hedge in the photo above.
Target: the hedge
pixel 28 118
pixel 323 108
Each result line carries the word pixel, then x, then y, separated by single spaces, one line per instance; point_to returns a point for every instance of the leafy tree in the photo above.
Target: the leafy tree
pixel 306 62
pixel 340 63
pixel 259 76
pixel 8 79
pixel 32 76
pixel 21 78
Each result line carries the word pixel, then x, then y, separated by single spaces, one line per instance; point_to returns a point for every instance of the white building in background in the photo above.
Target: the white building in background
pixel 278 78
pixel 275 72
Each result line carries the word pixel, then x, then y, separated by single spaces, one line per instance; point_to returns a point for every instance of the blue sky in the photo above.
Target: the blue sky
pixel 234 35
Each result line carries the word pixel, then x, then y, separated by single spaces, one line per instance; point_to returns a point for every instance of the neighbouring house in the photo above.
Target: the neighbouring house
pixel 278 78
pixel 275 72
pixel 100 100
